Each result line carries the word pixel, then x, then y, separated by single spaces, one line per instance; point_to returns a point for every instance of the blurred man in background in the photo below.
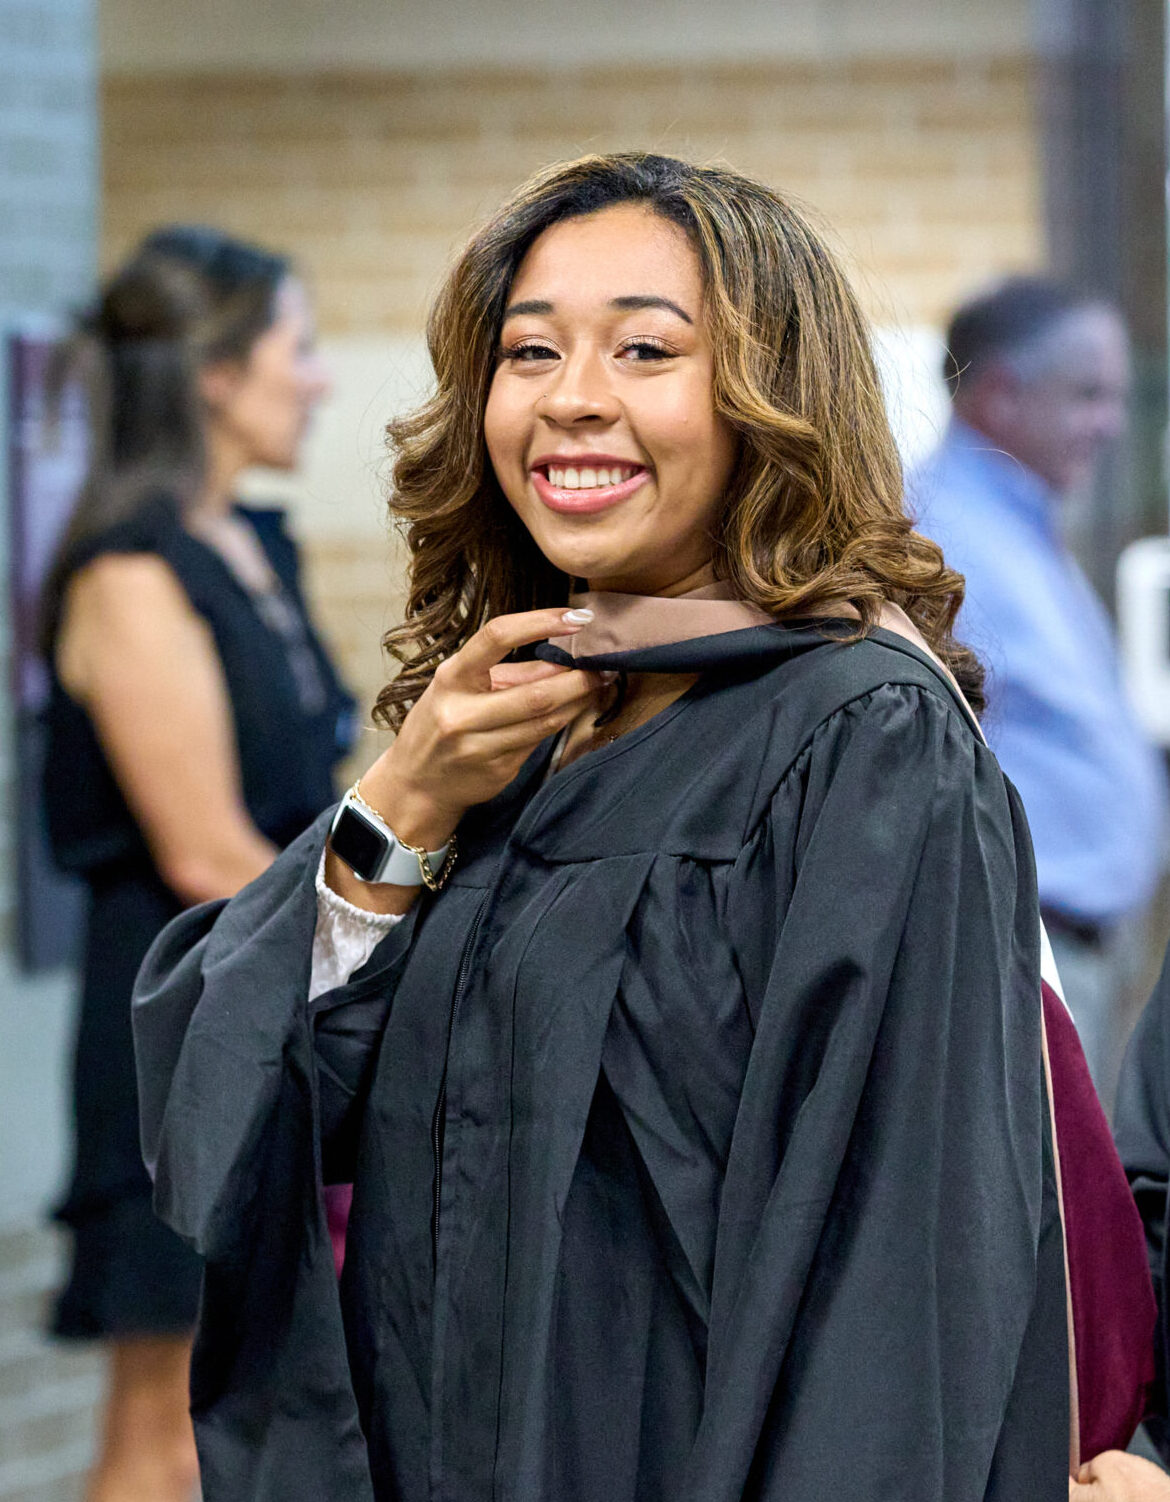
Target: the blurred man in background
pixel 1039 377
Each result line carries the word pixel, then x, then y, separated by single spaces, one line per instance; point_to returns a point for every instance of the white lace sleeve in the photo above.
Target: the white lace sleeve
pixel 344 939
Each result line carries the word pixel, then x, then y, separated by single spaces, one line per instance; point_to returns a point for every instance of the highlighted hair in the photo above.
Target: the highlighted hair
pixel 814 515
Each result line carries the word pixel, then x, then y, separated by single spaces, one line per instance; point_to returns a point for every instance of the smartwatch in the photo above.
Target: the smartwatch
pixel 373 852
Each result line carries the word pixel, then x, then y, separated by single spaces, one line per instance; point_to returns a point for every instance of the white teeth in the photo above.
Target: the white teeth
pixel 587 479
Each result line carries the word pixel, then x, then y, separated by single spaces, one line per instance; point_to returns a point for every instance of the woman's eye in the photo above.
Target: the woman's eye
pixel 639 350
pixel 528 353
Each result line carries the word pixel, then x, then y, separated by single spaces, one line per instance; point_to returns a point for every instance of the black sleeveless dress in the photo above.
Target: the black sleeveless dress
pixel 293 721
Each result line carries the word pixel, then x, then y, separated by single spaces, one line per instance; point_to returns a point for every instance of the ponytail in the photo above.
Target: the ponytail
pixel 186 298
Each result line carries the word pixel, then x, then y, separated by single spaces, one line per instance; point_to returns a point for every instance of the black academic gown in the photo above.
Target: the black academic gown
pixel 698 1128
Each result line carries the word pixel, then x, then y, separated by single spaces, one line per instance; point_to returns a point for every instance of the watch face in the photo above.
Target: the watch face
pixel 359 844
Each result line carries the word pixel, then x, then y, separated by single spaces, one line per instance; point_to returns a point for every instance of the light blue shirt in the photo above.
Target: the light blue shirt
pixel 1057 716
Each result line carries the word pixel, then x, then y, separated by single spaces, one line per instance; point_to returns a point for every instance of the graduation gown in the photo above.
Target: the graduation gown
pixel 698 1129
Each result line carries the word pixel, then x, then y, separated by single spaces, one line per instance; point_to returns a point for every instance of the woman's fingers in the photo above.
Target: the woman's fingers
pixel 509 674
pixel 471 666
pixel 1117 1477
pixel 524 734
pixel 535 703
pixel 464 739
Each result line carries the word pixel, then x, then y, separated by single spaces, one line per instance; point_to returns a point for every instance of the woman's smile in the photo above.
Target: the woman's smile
pixel 582 484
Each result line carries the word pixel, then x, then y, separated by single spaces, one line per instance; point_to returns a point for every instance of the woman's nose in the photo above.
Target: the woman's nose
pixel 318 380
pixel 579 392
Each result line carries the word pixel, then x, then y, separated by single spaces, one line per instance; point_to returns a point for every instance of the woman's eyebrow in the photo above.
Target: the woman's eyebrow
pixel 647 301
pixel 538 306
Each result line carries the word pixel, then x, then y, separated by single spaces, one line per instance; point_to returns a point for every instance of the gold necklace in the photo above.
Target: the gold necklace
pixel 627 714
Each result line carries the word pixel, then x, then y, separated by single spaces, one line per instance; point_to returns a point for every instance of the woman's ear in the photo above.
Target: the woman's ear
pixel 218 383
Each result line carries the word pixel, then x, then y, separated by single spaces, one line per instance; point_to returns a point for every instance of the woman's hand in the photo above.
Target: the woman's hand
pixel 1116 1477
pixel 467 737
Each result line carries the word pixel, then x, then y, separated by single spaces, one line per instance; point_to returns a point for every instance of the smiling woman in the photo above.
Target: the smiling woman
pixel 704 276
pixel 670 988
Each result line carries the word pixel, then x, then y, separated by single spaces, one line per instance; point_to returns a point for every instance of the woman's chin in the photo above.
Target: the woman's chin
pixel 613 571
pixel 599 573
pixel 578 563
pixel 281 453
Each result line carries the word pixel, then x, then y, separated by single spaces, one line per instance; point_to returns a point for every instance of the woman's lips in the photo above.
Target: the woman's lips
pixel 579 502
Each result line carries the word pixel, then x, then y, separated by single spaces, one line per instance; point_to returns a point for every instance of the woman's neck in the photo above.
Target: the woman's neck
pixel 211 506
pixel 224 468
pixel 697 577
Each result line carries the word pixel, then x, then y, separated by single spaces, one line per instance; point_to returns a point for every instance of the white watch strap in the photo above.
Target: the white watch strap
pixel 399 867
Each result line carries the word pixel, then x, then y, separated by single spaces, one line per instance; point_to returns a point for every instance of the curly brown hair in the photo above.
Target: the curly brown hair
pixel 814 517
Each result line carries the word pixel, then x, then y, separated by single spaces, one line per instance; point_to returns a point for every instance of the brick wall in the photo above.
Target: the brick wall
pixel 143 36
pixel 928 170
pixel 355 585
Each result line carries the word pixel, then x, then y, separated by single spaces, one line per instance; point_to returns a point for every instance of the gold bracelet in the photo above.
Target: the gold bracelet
pixel 433 882
pixel 430 880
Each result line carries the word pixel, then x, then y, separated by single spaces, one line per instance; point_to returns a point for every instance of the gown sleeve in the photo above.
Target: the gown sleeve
pixel 247 1088
pixel 888 1312
pixel 235 1060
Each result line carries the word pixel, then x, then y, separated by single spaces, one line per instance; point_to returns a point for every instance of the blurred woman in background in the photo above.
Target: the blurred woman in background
pixel 194 725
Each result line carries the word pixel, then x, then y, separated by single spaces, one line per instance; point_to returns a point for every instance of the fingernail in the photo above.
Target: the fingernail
pixel 609 675
pixel 577 617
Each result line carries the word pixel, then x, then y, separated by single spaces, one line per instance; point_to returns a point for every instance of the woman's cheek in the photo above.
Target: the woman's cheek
pixel 505 442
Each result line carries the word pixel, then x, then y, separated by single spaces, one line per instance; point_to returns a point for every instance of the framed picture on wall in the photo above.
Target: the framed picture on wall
pixel 46 450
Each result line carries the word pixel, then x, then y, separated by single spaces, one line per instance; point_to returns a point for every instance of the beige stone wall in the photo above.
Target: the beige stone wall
pixel 926 171
pixel 355 586
pixel 145 36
